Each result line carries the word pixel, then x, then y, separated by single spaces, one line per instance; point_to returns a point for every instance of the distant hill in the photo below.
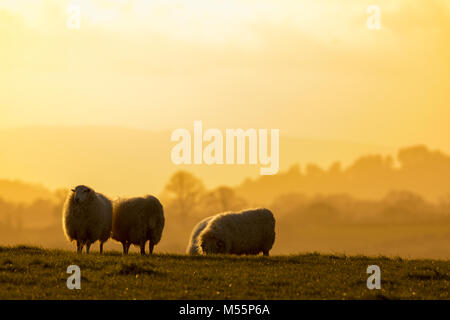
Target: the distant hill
pixel 120 161
pixel 18 191
pixel 414 169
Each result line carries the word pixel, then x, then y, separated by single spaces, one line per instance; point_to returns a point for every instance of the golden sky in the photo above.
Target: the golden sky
pixel 309 68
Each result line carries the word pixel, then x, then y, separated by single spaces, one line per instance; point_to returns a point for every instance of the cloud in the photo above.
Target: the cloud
pixel 318 63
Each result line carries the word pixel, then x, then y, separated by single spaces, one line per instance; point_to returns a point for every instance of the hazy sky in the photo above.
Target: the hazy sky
pixel 309 68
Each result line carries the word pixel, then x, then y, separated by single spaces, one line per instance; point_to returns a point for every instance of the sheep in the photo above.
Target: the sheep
pixel 246 232
pixel 87 217
pixel 193 246
pixel 137 220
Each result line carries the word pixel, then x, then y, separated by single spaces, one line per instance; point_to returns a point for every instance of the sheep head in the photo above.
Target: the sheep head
pixel 82 194
pixel 210 244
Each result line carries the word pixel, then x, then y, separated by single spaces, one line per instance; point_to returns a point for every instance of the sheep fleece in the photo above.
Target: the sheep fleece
pixel 138 219
pixel 245 232
pixel 88 222
pixel 193 246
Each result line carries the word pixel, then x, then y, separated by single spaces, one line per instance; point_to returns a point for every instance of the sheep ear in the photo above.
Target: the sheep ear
pixel 73 190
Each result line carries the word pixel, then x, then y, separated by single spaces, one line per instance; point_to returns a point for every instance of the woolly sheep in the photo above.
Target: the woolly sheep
pixel 245 232
pixel 137 220
pixel 193 246
pixel 87 217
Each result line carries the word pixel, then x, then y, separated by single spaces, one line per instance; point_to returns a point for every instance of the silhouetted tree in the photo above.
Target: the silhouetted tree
pixel 222 199
pixel 184 191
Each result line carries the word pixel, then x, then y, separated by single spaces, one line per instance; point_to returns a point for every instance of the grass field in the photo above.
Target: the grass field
pixel 36 273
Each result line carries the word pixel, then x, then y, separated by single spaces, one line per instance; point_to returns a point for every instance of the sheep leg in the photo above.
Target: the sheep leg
pixel 88 245
pixel 150 247
pixel 79 247
pixel 125 249
pixel 101 247
pixel 142 245
pixel 266 253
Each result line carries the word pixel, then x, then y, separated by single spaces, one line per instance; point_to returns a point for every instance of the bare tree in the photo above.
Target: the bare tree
pixel 184 190
pixel 222 199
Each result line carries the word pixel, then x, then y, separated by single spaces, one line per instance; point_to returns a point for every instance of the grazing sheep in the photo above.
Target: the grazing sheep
pixel 193 246
pixel 245 232
pixel 87 217
pixel 137 220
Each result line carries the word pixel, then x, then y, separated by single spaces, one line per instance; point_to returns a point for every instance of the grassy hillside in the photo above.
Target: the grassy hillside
pixel 34 273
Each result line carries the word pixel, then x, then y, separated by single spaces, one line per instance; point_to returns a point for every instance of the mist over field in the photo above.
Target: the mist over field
pixel 125 162
pixel 394 205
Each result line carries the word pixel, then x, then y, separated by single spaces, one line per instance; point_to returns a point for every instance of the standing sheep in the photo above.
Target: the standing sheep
pixel 245 232
pixel 193 246
pixel 87 217
pixel 137 220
